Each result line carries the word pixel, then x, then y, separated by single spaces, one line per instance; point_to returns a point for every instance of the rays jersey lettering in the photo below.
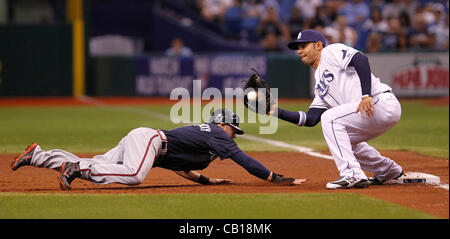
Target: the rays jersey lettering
pixel 324 83
pixel 336 82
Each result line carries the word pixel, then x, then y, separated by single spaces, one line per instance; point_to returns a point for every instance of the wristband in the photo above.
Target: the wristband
pixel 278 178
pixel 203 180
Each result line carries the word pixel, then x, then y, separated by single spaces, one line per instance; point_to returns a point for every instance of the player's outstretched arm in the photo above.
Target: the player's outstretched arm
pixel 198 178
pixel 257 169
pixel 277 178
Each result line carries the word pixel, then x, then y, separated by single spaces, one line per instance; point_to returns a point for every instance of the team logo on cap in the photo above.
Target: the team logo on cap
pixel 299 35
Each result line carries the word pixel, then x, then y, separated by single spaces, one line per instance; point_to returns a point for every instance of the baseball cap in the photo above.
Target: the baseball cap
pixel 228 117
pixel 309 35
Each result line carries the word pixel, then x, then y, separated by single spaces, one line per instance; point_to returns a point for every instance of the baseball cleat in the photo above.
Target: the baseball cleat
pixel 25 158
pixel 348 182
pixel 375 181
pixel 69 171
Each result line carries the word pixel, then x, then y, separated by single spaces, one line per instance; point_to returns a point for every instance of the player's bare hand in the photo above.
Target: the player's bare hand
pixel 366 105
pixel 273 109
pixel 299 181
pixel 216 181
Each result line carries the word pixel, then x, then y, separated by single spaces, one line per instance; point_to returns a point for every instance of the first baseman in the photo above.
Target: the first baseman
pixel 182 150
pixel 353 106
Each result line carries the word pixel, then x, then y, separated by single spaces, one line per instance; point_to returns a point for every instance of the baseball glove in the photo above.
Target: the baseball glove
pixel 279 179
pixel 266 101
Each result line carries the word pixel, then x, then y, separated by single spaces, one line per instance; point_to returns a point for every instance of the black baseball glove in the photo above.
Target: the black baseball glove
pixel 266 101
pixel 279 179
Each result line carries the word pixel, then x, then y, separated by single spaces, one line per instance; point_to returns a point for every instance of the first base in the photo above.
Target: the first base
pixel 416 177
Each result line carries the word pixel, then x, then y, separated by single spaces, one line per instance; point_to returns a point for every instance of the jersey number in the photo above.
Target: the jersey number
pixel 204 127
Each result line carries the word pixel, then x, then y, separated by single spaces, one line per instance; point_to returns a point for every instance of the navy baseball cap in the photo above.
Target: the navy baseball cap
pixel 228 117
pixel 309 35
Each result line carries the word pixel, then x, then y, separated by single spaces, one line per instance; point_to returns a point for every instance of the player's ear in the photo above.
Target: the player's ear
pixel 319 45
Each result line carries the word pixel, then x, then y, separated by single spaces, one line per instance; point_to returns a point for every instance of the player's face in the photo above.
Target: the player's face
pixel 308 52
pixel 229 130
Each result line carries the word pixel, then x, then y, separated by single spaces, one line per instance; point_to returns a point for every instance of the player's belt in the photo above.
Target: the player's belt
pixel 163 150
pixel 388 91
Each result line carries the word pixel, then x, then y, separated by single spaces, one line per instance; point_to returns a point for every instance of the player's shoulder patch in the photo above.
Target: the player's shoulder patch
pixel 341 53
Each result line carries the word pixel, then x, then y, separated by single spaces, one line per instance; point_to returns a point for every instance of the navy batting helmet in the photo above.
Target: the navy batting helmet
pixel 228 117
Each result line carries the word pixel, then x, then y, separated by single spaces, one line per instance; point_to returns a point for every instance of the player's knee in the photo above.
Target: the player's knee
pixel 326 118
pixel 392 117
pixel 135 180
pixel 137 131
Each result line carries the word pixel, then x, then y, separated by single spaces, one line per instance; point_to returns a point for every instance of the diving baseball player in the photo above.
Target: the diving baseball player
pixel 353 106
pixel 182 150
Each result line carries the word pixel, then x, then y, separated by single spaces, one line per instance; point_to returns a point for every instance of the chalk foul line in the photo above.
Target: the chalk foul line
pixel 281 144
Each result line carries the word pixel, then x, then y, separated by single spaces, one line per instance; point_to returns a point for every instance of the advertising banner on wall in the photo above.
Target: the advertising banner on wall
pixel 159 75
pixel 410 74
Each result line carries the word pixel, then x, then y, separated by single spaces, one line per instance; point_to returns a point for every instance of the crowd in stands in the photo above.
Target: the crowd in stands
pixel 370 26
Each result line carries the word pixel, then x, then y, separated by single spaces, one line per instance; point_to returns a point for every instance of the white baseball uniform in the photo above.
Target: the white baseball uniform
pixel 127 163
pixel 338 89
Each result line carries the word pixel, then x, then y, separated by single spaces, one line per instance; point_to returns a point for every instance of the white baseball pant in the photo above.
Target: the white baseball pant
pixel 347 132
pixel 127 163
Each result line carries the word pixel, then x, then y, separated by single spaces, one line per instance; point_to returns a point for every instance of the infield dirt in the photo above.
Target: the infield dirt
pixel 318 171
pixel 430 199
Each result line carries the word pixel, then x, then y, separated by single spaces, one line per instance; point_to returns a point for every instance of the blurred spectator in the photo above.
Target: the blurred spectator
pixel 373 42
pixel 376 22
pixel 178 49
pixel 403 42
pixel 390 38
pixel 295 23
pixel 428 12
pixel 214 10
pixel 271 43
pixel 331 8
pixel 441 32
pixel 411 7
pixel 341 32
pixel 419 35
pixel 356 12
pixel 320 20
pixel 308 7
pixel 393 9
pixel 271 23
pixel 378 25
pixel 233 17
pixel 377 4
pixel 405 20
pixel 270 5
pixel 253 10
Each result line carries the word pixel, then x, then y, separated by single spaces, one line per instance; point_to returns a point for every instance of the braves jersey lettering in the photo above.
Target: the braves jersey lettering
pixel 194 147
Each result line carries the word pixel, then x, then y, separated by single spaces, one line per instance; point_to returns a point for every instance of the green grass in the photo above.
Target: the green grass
pixel 422 129
pixel 201 206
